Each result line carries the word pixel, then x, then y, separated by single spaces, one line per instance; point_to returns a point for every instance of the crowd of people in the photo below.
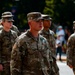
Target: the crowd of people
pixel 34 52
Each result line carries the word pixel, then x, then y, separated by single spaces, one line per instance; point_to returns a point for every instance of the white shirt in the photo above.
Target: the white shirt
pixel 61 33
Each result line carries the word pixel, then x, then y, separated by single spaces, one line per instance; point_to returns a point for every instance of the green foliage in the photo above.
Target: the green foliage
pixel 49 7
pixel 22 8
pixel 62 11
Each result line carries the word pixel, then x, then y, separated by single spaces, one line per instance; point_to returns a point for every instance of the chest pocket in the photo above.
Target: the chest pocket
pixel 8 40
pixel 7 43
pixel 33 45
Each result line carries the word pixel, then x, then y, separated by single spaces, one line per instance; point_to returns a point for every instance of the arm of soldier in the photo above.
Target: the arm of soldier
pixel 49 56
pixel 18 31
pixel 15 63
pixel 1 66
pixel 49 53
pixel 45 63
pixel 54 49
pixel 70 48
pixel 15 36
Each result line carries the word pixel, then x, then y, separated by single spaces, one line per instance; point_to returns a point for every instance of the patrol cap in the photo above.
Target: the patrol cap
pixel 34 16
pixel 8 16
pixel 8 19
pixel 46 17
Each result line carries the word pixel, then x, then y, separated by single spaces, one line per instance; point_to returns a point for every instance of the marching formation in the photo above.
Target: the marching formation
pixel 34 52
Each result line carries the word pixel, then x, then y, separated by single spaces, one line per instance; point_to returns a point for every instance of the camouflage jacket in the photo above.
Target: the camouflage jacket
pixel 30 56
pixel 71 50
pixel 50 36
pixel 7 40
pixel 14 28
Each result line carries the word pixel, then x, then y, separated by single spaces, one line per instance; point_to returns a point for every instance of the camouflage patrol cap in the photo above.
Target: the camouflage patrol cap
pixel 46 17
pixel 34 16
pixel 7 15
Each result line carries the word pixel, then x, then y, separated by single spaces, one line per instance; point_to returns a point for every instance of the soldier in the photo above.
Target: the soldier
pixel 71 50
pixel 7 39
pixel 14 28
pixel 30 53
pixel 50 36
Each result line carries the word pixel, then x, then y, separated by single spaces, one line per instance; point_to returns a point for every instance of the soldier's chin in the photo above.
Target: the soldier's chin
pixel 38 30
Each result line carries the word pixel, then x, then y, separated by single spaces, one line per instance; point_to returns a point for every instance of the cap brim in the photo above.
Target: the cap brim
pixel 11 20
pixel 7 16
pixel 47 19
pixel 40 18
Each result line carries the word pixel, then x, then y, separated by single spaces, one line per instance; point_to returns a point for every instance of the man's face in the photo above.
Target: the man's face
pixel 46 23
pixel 7 24
pixel 36 25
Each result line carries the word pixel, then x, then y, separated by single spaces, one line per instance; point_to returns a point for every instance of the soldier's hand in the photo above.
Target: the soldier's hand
pixel 1 67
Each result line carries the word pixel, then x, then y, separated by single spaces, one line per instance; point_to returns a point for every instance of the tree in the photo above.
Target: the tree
pixel 22 8
pixel 62 11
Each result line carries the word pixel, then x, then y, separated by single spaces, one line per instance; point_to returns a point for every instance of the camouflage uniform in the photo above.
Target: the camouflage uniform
pixel 30 56
pixel 14 28
pixel 50 36
pixel 7 40
pixel 71 51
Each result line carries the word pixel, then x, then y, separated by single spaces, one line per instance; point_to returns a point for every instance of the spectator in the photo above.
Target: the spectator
pixel 59 47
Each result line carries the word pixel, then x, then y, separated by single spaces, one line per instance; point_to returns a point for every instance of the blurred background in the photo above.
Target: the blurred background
pixel 61 11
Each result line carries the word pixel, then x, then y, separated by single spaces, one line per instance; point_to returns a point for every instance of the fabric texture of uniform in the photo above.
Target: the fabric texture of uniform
pixel 71 51
pixel 50 36
pixel 7 40
pixel 30 56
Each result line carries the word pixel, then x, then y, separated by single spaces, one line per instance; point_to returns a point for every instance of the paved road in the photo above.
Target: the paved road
pixel 64 69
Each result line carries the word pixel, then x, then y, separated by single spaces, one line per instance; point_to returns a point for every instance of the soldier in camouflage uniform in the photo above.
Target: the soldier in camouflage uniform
pixel 71 50
pixel 50 36
pixel 14 28
pixel 7 40
pixel 30 54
